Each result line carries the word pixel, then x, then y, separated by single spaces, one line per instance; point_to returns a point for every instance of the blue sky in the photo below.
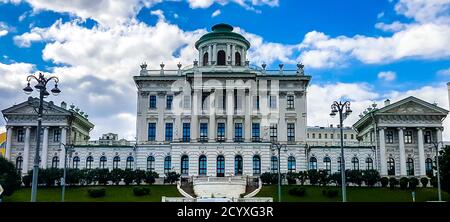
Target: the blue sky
pixel 371 50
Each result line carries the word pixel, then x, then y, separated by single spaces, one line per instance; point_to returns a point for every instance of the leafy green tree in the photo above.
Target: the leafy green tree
pixel 172 177
pixel 404 183
pixel 128 176
pixel 51 176
pixel 336 178
pixel 393 182
pixel 302 175
pixel 73 176
pixel 291 177
pixel 384 181
pixel 269 178
pixel 150 177
pixel 371 177
pixel 444 166
pixel 102 176
pixel 116 176
pixel 313 176
pixel 9 177
pixel 139 176
pixel 412 183
pixel 424 181
pixel 324 178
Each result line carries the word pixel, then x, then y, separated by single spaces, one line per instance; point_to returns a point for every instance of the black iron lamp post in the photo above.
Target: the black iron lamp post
pixel 436 146
pixel 278 147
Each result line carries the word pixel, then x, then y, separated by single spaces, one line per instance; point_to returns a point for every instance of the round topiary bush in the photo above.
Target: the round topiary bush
pixel 424 181
pixel 404 183
pixel 330 193
pixel 384 181
pixel 141 191
pixel 413 182
pixel 298 191
pixel 393 182
pixel 97 192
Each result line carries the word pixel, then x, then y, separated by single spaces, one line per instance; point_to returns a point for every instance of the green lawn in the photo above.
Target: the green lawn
pixel 354 194
pixel 79 194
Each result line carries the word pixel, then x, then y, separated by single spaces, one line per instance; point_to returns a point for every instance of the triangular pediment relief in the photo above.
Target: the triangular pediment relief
pixel 30 108
pixel 413 106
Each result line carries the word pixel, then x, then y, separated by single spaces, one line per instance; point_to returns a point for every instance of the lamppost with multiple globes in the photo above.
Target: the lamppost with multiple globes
pixel 436 146
pixel 343 108
pixel 278 147
pixel 41 86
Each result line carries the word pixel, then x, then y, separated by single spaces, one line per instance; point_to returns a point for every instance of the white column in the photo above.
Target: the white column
pixel 282 126
pixel 228 54
pixel 61 146
pixel 439 137
pixel 210 55
pixel 160 106
pixel 26 150
pixel 233 58
pixel 248 119
pixel 401 143
pixel 215 54
pixel 44 148
pixel 383 162
pixel 196 110
pixel 230 113
pixel 212 117
pixel 178 126
pixel 9 132
pixel 421 171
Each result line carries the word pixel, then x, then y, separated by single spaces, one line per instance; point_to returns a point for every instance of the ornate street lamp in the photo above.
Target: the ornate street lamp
pixel 436 145
pixel 41 86
pixel 68 149
pixel 343 108
pixel 278 147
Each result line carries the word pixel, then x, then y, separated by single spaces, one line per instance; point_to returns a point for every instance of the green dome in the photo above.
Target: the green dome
pixel 222 31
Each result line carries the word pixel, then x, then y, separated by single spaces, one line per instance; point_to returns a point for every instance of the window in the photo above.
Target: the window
pixel 75 162
pixel 273 133
pixel 130 161
pixel 152 102
pixel 205 59
pixel 186 102
pixel 274 164
pixel 184 165
pixel 327 162
pixel 89 161
pixel 320 135
pixel 291 164
pixel 116 161
pixel 20 135
pixel 429 167
pixel 221 58
pixel 238 132
pixel 169 131
pixel 325 135
pixel 355 163
pixel 103 162
pixel 220 166
pixel 238 165
pixel 221 132
pixel 391 167
pixel 369 163
pixel 169 101
pixel 55 162
pixel 151 131
pixel 167 164
pixel 256 165
pixel 389 136
pixel 339 162
pixel 203 132
pixel 255 132
pixel 290 132
pixel 186 132
pixel 427 136
pixel 410 167
pixel 408 136
pixel 237 57
pixel 56 135
pixel 290 101
pixel 345 136
pixel 256 102
pixel 19 163
pixel 202 165
pixel 313 163
pixel 313 135
pixel 150 163
pixel 331 136
pixel 273 102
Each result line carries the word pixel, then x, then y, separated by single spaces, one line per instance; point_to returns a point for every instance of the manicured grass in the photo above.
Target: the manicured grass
pixel 354 194
pixel 79 194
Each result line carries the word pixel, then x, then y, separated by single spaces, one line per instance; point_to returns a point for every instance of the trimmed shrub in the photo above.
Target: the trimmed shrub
pixel 371 177
pixel 269 178
pixel 413 182
pixel 313 176
pixel 330 193
pixel 141 191
pixel 97 192
pixel 433 182
pixel 297 191
pixel 172 177
pixel 404 183
pixel 424 181
pixel 393 182
pixel 384 181
pixel 150 177
pixel 292 177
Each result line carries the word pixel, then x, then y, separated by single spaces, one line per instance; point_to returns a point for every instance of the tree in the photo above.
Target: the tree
pixel 404 183
pixel 128 176
pixel 50 176
pixel 384 181
pixel 292 177
pixel 413 182
pixel 9 177
pixel 355 176
pixel 371 177
pixel 73 176
pixel 424 181
pixel 269 178
pixel 102 176
pixel 313 176
pixel 172 177
pixel 116 176
pixel 324 178
pixel 393 182
pixel 444 166
pixel 302 175
pixel 139 176
pixel 150 177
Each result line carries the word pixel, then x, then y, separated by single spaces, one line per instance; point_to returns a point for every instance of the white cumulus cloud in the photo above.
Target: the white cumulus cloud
pixel 387 75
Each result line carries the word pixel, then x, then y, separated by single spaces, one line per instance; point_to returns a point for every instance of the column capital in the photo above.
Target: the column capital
pixel 401 128
pixel 9 127
pixel 63 127
pixel 382 128
pixel 27 127
pixel 45 127
pixel 439 128
pixel 420 128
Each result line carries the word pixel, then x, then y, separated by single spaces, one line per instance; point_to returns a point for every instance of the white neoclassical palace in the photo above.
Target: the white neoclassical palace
pixel 220 116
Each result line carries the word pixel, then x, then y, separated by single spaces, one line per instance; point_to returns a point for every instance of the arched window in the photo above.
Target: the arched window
pixel 274 164
pixel 55 162
pixel 355 163
pixel 150 163
pixel 291 164
pixel 237 57
pixel 339 162
pixel 130 161
pixel 238 165
pixel 327 162
pixel 221 58
pixel 167 164
pixel 205 59
pixel 103 162
pixel 220 166
pixel 429 167
pixel 256 165
pixel 391 167
pixel 89 161
pixel 202 165
pixel 116 161
pixel 19 162
pixel 410 167
pixel 313 163
pixel 369 163
pixel 184 165
pixel 75 162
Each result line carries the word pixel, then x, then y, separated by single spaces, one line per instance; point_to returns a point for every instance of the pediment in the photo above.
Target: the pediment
pixel 30 107
pixel 413 106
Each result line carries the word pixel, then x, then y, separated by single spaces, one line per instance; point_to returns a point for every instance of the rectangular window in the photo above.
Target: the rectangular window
pixel 151 131
pixel 352 136
pixel 313 135
pixel 169 131
pixel 169 101
pixel 331 136
pixel 345 136
pixel 290 101
pixel 238 132
pixel 256 132
pixel 408 136
pixel 186 132
pixel 152 102
pixel 390 136
pixel 274 133
pixel 56 135
pixel 203 132
pixel 20 135
pixel 427 137
pixel 326 136
pixel 273 102
pixel 291 132
pixel 221 132
pixel 320 136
